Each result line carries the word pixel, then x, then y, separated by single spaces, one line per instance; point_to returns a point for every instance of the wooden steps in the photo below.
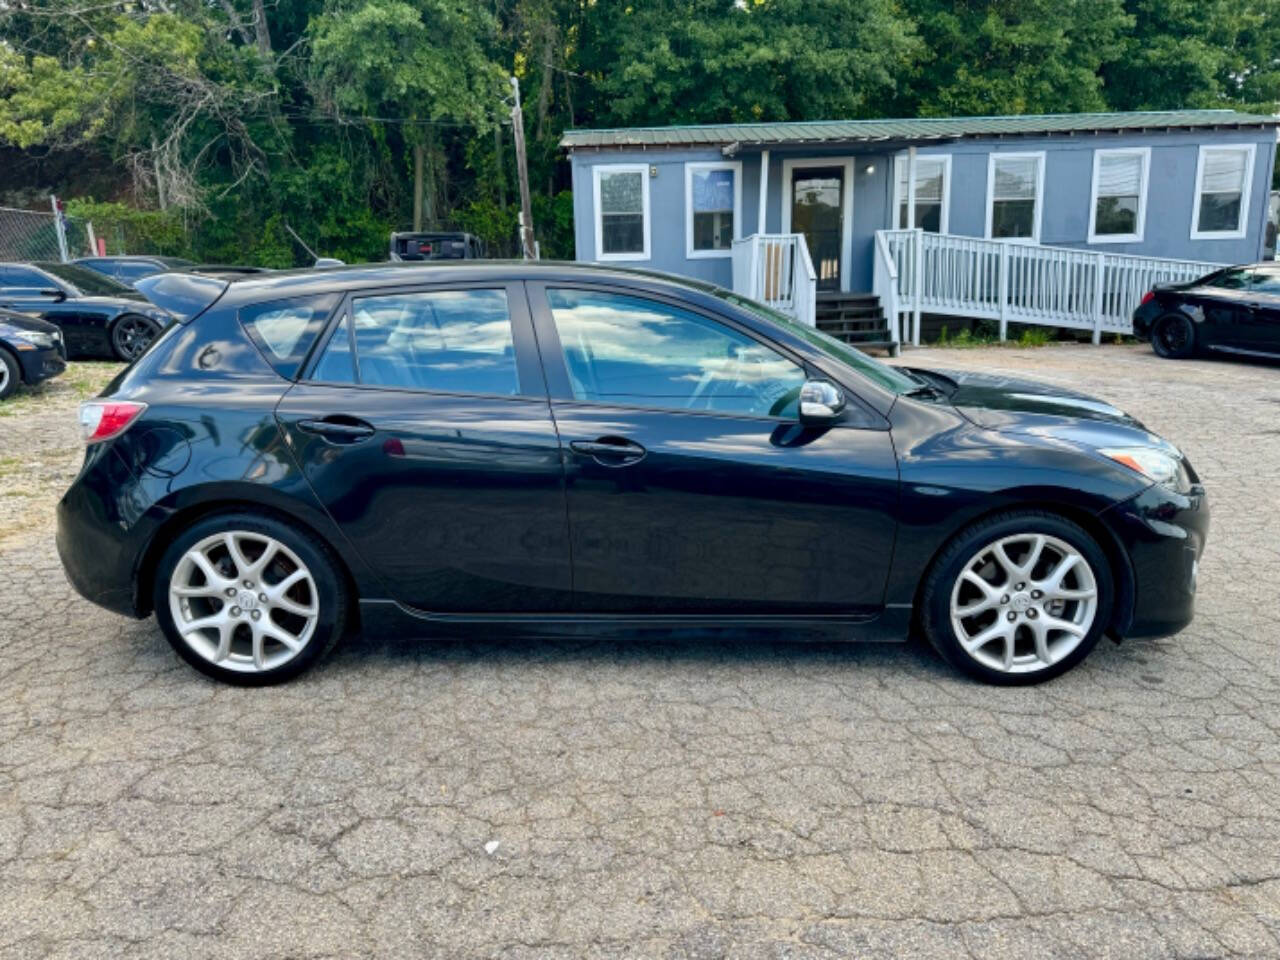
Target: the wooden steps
pixel 855 318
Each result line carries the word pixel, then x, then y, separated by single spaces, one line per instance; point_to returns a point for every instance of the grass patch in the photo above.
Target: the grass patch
pixel 986 333
pixel 80 381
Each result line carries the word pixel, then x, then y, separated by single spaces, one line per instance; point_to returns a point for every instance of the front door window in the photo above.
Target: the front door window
pixel 817 211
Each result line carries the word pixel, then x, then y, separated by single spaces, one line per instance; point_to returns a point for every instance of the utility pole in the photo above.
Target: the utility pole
pixel 522 169
pixel 59 227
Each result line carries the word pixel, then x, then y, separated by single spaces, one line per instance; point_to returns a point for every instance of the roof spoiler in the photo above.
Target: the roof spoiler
pixel 185 295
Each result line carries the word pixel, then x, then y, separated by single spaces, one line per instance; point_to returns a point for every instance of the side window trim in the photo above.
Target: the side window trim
pixel 529 370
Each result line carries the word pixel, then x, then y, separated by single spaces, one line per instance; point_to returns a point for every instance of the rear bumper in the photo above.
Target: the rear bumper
pixel 1164 535
pixel 97 534
pixel 1143 319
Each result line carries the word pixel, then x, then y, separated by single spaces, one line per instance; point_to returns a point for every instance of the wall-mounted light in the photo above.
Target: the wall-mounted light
pixel 871 168
pixel 653 170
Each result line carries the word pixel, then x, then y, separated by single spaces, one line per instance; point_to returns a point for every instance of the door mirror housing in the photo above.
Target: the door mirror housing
pixel 821 403
pixel 54 294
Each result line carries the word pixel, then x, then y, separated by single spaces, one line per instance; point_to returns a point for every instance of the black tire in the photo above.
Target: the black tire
pixel 10 375
pixel 941 579
pixel 330 599
pixel 131 334
pixel 1173 337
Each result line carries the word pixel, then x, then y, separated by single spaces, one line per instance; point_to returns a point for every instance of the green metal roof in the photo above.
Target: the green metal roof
pixel 922 128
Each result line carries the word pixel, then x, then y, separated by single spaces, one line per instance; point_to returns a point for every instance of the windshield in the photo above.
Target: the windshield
pixel 87 281
pixel 890 378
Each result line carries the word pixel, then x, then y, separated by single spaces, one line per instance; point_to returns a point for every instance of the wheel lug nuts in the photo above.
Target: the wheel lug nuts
pixel 249 584
pixel 1018 586
pixel 231 591
pixel 1036 594
pixel 1031 613
pixel 262 598
pixel 256 614
pixel 1012 615
pixel 235 611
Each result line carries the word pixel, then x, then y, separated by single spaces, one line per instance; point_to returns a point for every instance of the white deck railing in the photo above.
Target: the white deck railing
pixel 775 269
pixel 1017 282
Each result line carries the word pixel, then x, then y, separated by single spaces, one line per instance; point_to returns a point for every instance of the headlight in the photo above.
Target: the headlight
pixel 1155 465
pixel 45 341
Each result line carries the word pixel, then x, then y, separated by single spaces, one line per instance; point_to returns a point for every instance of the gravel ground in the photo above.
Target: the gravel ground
pixel 519 799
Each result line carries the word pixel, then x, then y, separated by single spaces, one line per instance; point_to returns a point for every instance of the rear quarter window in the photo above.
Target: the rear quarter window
pixel 284 330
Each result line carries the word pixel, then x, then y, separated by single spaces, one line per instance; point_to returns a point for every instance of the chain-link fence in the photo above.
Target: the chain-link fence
pixel 33 235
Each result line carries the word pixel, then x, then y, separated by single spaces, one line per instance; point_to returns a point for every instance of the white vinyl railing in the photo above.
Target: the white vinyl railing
pixel 1017 282
pixel 885 282
pixel 775 268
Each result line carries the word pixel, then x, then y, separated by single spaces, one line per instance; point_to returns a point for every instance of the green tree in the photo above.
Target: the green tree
pixel 420 64
pixel 1014 56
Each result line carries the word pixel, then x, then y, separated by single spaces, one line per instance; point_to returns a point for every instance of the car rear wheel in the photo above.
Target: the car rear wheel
pixel 1018 598
pixel 131 335
pixel 1173 337
pixel 9 376
pixel 247 599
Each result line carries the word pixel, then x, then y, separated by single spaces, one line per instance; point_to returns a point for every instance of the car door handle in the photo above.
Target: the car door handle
pixel 611 451
pixel 338 429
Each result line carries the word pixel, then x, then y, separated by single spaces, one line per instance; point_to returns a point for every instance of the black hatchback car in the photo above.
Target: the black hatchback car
pixel 565 449
pixel 1230 311
pixel 99 317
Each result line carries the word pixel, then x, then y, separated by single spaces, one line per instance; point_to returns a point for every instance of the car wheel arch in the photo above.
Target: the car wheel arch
pixel 183 517
pixel 1123 577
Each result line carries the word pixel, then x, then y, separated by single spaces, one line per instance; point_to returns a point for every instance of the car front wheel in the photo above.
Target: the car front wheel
pixel 1018 598
pixel 247 599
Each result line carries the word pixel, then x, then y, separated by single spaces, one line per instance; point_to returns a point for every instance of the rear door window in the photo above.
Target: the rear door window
pixel 452 341
pixel 284 330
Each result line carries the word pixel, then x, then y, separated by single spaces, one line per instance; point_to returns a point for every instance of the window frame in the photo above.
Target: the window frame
pixel 1040 156
pixel 690 169
pixel 944 221
pixel 530 379
pixel 598 171
pixel 1242 229
pixel 1144 181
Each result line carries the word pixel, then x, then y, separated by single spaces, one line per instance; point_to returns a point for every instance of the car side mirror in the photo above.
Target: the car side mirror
pixel 57 296
pixel 821 403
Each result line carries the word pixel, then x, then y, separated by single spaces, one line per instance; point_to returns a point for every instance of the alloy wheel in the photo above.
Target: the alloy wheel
pixel 132 335
pixel 1174 336
pixel 244 601
pixel 4 377
pixel 1023 603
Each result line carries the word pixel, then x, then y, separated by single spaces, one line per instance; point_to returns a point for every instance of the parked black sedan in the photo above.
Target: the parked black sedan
pixel 566 449
pixel 1231 311
pixel 129 269
pixel 99 317
pixel 31 351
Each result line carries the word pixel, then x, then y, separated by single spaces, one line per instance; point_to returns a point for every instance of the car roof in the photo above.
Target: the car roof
pixel 316 279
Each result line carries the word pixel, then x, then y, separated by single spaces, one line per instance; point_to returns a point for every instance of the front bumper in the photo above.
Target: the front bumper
pixel 41 363
pixel 1163 534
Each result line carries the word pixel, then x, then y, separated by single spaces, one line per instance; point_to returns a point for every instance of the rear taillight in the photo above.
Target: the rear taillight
pixel 103 419
pixel 1147 298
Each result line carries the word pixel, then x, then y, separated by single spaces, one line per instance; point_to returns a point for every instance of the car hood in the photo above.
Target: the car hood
pixel 1015 405
pixel 20 321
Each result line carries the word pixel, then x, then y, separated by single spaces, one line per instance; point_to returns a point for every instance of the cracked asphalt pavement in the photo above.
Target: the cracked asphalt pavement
pixel 508 798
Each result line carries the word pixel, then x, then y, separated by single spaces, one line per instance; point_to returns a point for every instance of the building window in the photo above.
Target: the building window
pixel 1015 188
pixel 1223 175
pixel 712 200
pixel 933 192
pixel 622 212
pixel 1119 201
